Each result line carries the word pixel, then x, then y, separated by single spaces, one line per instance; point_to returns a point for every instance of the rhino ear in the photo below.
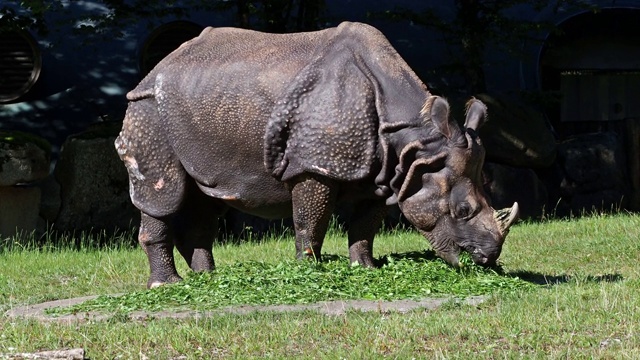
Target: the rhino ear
pixel 476 114
pixel 436 109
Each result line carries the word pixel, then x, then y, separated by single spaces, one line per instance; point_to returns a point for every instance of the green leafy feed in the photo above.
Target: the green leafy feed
pixel 304 282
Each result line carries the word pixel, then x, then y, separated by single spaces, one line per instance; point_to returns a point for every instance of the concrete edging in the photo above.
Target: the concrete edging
pixel 337 307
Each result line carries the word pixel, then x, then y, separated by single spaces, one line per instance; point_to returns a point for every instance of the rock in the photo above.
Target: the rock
pixel 515 134
pixel 19 210
pixel 506 184
pixel 594 177
pixel 23 158
pixel 94 186
pixel 50 201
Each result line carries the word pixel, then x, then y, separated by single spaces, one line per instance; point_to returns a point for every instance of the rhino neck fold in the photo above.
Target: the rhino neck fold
pixel 395 140
pixel 389 159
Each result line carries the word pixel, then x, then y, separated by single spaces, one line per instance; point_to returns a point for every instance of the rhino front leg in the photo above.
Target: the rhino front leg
pixel 196 227
pixel 155 239
pixel 363 226
pixel 313 199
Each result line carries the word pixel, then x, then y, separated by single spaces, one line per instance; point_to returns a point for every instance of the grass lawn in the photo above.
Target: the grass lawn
pixel 590 307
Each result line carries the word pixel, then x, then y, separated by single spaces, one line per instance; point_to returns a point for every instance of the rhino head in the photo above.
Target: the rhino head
pixel 438 185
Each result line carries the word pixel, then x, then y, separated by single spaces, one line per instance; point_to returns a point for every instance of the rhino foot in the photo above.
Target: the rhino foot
pixel 308 253
pixel 360 253
pixel 202 260
pixel 155 281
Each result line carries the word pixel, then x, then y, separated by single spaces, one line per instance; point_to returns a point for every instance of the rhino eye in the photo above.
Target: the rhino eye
pixel 463 210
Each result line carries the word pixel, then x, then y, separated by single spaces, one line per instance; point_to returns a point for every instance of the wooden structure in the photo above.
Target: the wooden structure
pixel 594 67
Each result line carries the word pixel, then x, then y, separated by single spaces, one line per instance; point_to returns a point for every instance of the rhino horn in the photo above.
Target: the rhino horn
pixel 506 217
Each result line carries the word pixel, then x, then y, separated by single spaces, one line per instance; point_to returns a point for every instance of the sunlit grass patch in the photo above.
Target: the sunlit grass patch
pixel 587 306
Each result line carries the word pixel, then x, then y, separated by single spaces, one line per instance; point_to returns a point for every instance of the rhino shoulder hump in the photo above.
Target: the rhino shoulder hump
pixel 361 31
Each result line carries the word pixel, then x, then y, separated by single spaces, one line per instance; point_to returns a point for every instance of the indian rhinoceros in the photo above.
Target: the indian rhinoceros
pixel 280 125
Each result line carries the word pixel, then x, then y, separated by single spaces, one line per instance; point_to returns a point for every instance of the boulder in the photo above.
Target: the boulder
pixel 23 158
pixel 593 173
pixel 506 184
pixel 515 134
pixel 94 186
pixel 19 210
pixel 50 200
pixel 24 161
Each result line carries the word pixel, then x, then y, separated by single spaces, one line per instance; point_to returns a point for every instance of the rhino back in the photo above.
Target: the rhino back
pixel 215 95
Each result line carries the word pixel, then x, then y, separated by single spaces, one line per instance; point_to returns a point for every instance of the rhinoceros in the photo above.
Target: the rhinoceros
pixel 280 125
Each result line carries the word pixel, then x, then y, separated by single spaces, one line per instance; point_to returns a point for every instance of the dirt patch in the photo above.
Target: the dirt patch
pixel 338 307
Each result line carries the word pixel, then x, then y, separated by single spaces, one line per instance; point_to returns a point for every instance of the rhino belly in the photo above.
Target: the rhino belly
pixel 265 199
pixel 267 211
pixel 243 185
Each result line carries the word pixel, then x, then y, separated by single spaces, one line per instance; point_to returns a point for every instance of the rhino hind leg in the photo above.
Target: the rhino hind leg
pixel 363 225
pixel 193 229
pixel 157 183
pixel 153 236
pixel 196 228
pixel 313 199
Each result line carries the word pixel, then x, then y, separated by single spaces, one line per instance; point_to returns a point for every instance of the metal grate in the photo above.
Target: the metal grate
pixel 20 64
pixel 164 40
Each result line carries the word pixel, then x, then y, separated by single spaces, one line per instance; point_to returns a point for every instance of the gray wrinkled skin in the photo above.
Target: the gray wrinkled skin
pixel 290 125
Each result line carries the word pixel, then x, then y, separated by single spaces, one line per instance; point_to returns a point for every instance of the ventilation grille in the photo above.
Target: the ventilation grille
pixel 20 64
pixel 164 40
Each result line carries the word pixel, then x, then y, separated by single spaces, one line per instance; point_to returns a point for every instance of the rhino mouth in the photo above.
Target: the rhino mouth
pixel 481 258
pixel 488 257
pixel 451 254
pixel 477 255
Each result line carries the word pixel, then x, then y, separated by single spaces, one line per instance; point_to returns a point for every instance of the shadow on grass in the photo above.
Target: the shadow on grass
pixel 416 256
pixel 543 279
pixel 529 276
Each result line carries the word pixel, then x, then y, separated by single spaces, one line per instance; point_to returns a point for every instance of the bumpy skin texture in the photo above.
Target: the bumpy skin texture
pixel 289 125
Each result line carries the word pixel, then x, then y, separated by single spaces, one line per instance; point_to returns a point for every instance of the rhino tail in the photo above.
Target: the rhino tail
pixel 135 95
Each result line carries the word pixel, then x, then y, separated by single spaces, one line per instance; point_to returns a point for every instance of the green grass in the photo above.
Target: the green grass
pixel 590 309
